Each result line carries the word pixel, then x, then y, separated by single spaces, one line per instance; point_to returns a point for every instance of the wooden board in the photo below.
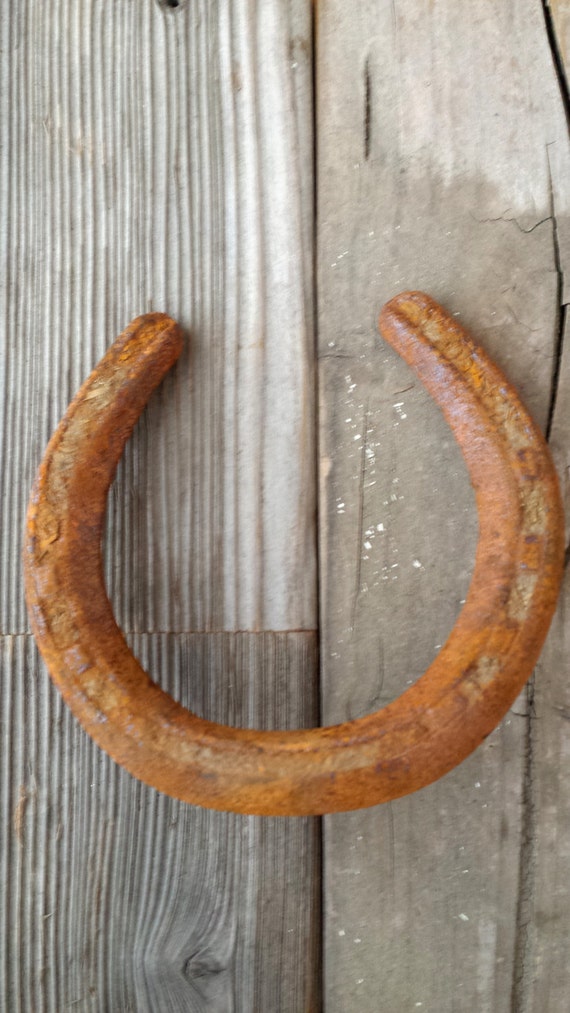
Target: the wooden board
pixel 545 902
pixel 160 157
pixel 118 898
pixel 443 158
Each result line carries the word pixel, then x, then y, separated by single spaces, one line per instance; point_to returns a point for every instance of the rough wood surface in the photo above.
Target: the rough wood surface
pixel 559 10
pixel 157 157
pixel 161 157
pixel 443 158
pixel 545 898
pixel 118 898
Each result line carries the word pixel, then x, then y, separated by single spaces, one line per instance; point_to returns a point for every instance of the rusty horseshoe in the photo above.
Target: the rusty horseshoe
pixel 432 726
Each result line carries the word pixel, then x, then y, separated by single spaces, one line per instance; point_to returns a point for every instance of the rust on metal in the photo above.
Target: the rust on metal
pixel 432 726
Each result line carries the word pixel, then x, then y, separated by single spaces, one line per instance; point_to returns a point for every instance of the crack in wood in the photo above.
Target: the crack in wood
pixel 561 307
pixel 557 58
pixel 367 109
pixel 522 965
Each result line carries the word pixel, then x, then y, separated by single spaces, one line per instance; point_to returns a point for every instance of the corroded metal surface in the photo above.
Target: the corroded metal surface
pixel 413 741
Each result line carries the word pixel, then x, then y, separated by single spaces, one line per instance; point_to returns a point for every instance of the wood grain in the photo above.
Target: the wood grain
pixel 161 158
pixel 559 11
pixel 545 897
pixel 118 898
pixel 442 140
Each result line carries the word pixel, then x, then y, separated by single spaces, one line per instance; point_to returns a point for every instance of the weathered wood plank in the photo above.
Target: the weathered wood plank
pixel 560 11
pixel 440 132
pixel 160 157
pixel 544 982
pixel 150 174
pixel 116 897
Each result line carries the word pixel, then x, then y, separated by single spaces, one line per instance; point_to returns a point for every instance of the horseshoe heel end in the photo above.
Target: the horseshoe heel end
pixel 521 515
pixel 63 572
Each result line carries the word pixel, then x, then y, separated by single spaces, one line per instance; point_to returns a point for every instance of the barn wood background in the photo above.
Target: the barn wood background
pixel 269 174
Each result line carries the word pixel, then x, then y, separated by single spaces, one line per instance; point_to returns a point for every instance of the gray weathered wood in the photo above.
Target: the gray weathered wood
pixel 161 158
pixel 544 979
pixel 545 944
pixel 118 898
pixel 442 140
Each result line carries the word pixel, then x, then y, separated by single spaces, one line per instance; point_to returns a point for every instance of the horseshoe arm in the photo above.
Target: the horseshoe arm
pixel 420 736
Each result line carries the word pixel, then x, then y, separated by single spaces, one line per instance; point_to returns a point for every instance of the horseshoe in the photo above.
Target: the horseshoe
pixel 432 726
